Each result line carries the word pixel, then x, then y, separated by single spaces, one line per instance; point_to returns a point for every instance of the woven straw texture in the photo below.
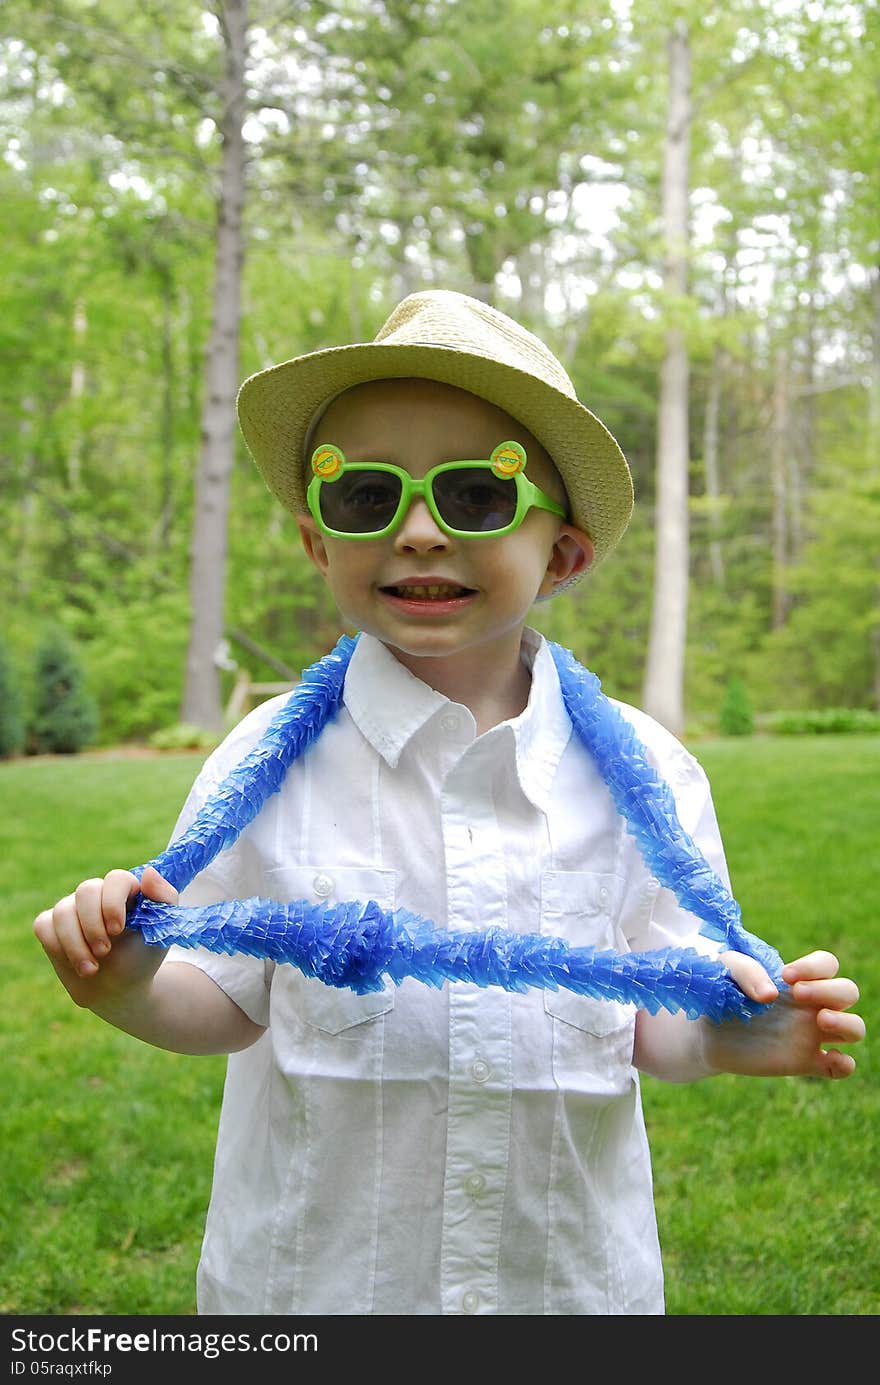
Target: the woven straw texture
pixel 456 340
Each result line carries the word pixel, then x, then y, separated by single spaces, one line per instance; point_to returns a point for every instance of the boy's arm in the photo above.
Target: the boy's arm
pixel 786 1040
pixel 111 971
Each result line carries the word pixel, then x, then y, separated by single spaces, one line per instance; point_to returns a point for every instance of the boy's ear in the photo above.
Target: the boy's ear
pixel 572 554
pixel 313 543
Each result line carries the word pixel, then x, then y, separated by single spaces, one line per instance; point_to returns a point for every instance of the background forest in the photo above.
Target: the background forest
pixel 683 202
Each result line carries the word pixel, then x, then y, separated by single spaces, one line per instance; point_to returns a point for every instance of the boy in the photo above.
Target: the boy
pixel 421 1151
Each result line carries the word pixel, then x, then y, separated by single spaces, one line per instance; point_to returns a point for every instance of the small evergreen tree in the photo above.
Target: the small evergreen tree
pixel 65 716
pixel 11 724
pixel 736 712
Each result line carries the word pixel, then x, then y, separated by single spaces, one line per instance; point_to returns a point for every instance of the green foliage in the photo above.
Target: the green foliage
pixel 448 145
pixel 736 717
pixel 11 723
pixel 824 653
pixel 824 721
pixel 135 655
pixel 64 718
pixel 604 617
pixel 181 736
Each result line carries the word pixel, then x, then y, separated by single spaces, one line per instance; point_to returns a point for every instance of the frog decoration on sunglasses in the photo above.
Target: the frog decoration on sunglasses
pixel 467 499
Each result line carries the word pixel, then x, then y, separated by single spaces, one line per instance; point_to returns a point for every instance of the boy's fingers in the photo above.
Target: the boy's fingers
pixel 70 938
pixel 154 886
pixel 44 930
pixel 88 898
pixel 815 966
pixel 837 994
pixel 841 1026
pixel 832 1064
pixel 750 976
pixel 119 887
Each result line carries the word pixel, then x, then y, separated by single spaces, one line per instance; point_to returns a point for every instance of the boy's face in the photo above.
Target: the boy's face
pixel 488 585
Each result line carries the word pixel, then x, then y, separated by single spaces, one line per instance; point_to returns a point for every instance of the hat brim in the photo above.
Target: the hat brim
pixel 276 408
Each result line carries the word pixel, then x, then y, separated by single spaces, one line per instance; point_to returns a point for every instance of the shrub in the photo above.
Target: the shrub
pixel 11 724
pixel 64 717
pixel 823 721
pixel 736 713
pixel 181 736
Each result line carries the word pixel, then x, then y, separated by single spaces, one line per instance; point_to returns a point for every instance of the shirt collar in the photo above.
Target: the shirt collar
pixel 386 702
pixel 543 729
pixel 389 705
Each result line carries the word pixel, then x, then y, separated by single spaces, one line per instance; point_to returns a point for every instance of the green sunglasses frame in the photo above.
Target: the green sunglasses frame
pixel 528 495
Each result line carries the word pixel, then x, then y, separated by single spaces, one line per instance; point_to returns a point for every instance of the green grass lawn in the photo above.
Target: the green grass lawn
pixel 767 1191
pixel 107 1143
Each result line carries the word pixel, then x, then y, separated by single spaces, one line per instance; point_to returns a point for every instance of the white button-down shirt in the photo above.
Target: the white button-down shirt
pixel 453 1150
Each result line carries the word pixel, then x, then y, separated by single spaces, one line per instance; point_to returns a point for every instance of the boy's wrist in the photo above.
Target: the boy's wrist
pixel 703 1049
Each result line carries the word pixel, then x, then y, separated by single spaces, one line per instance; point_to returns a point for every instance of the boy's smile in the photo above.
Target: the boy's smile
pixel 433 598
pixel 428 597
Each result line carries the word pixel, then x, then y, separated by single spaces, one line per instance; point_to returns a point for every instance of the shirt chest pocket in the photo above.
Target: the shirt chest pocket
pixel 582 908
pixel 331 1009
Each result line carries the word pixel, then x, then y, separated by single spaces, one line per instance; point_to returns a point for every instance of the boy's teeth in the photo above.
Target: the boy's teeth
pixel 434 590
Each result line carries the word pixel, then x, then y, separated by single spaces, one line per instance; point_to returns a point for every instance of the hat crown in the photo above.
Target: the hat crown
pixel 441 317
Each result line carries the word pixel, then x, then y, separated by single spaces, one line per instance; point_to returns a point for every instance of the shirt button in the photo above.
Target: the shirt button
pixel 480 1071
pixel 475 1183
pixel 322 885
pixel 449 722
pixel 604 896
pixel 470 1301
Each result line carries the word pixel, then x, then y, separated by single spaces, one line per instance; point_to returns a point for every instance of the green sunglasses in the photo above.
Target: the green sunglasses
pixel 467 500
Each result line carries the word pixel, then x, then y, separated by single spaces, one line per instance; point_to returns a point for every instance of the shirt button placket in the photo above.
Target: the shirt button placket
pixel 479 1035
pixel 470 1301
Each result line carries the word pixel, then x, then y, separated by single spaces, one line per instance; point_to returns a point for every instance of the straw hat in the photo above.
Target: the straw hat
pixel 448 337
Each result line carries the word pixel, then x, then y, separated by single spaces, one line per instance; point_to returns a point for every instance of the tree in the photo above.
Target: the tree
pixel 201 699
pixel 391 145
pixel 736 717
pixel 663 694
pixel 11 724
pixel 64 718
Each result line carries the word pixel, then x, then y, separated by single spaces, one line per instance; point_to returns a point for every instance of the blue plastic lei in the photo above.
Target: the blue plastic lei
pixel 358 945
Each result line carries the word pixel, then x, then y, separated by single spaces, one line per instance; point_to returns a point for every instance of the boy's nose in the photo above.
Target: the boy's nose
pixel 418 531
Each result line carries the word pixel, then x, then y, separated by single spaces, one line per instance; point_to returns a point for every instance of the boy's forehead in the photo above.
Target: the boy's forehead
pixel 384 396
pixel 419 409
pixel 417 422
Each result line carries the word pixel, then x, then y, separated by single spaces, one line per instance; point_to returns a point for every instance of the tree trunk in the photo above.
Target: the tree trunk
pixel 874 451
pixel 663 695
pixel 778 477
pixel 166 423
pixel 874 391
pixel 710 462
pixel 532 269
pixel 201 701
pixel 77 390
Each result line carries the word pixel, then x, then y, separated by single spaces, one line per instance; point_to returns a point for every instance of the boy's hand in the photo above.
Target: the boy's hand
pixel 85 939
pixel 787 1039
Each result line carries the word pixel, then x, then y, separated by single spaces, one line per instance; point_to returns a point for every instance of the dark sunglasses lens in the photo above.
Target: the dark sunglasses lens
pixel 360 502
pixel 474 500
